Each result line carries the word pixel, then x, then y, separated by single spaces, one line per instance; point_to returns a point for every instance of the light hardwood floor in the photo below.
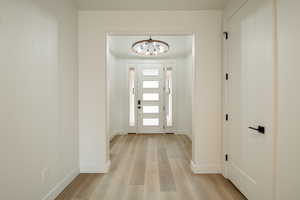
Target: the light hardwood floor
pixel 150 167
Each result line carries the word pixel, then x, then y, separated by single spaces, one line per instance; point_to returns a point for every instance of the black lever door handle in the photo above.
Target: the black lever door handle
pixel 260 129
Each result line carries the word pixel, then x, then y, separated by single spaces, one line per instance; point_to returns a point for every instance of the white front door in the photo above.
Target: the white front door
pixel 150 99
pixel 251 100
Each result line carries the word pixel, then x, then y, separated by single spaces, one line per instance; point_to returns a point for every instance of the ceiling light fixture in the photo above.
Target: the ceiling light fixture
pixel 150 47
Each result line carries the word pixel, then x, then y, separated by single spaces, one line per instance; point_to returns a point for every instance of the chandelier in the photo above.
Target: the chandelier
pixel 150 47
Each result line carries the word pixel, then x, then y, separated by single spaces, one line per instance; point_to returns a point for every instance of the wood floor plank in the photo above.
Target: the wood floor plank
pixel 166 179
pixel 185 191
pixel 138 174
pixel 226 188
pixel 185 147
pixel 69 192
pixel 134 192
pixel 120 178
pixel 150 167
pixel 152 188
pixel 171 147
pixel 168 196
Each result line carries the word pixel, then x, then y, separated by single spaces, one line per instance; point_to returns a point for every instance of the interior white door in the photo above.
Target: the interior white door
pixel 251 99
pixel 150 102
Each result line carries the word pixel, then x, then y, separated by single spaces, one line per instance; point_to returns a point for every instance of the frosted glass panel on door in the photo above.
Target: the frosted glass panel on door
pixel 131 97
pixel 151 109
pixel 150 84
pixel 169 97
pixel 151 96
pixel 150 72
pixel 151 122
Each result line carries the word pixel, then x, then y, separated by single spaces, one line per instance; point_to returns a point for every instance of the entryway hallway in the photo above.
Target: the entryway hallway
pixel 150 167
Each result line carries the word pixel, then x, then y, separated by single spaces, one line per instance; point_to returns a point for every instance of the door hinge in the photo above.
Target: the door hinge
pixel 227 76
pixel 164 108
pixel 226 157
pixel 227 117
pixel 226 34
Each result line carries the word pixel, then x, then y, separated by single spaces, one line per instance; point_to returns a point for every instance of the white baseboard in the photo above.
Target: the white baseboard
pixel 184 132
pixel 205 168
pixel 95 169
pixel 189 136
pixel 111 137
pixel 61 185
pixel 107 166
pixel 114 134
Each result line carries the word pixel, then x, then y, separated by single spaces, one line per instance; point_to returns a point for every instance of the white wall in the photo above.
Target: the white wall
pixel 288 148
pixel 93 27
pixel 232 7
pixel 38 74
pixel 183 95
pixel 118 94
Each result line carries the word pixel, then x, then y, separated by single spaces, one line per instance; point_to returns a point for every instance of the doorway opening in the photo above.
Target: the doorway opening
pixel 150 94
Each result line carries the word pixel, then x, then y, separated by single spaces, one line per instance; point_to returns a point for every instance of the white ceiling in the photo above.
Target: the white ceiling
pixel 150 5
pixel 179 46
